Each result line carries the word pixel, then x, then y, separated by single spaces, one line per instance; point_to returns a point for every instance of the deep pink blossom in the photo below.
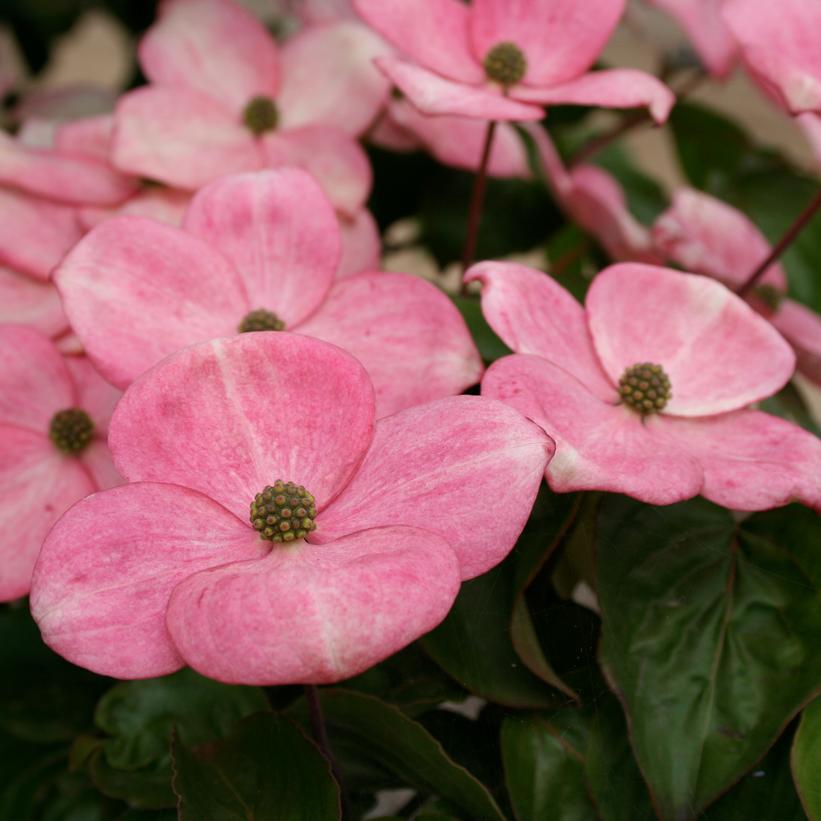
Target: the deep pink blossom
pixel 704 24
pixel 779 47
pixel 168 571
pixel 505 59
pixel 136 290
pixel 225 98
pixel 575 372
pixel 707 236
pixel 40 477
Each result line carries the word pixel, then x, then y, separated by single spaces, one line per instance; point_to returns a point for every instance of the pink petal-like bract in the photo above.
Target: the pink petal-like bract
pixel 801 327
pixel 102 583
pixel 446 466
pixel 779 48
pixel 216 47
pixel 409 336
pixel 229 417
pixel 533 314
pixel 700 332
pixel 279 231
pixel 314 614
pixel 751 460
pixel 136 290
pixel 28 301
pixel 361 244
pixel 329 78
pixel 704 24
pixel 560 39
pixel 599 445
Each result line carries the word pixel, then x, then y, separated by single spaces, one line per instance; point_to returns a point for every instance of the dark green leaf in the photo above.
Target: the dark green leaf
pixel 133 762
pixel 490 346
pixel 737 607
pixel 266 770
pixel 806 760
pixel 364 729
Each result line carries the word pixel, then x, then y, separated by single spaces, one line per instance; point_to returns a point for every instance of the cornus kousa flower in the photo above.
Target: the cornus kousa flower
pixel 504 59
pixel 224 98
pixel 272 533
pixel 258 252
pixel 710 237
pixel 54 412
pixel 645 390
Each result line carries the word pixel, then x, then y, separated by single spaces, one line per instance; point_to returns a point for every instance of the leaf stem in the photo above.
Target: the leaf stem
pixel 792 234
pixel 320 734
pixel 477 199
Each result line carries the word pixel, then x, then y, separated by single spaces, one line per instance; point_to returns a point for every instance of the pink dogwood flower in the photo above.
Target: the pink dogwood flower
pixel 225 98
pixel 646 389
pixel 258 251
pixel 505 59
pixel 704 24
pixel 54 412
pixel 708 236
pixel 273 533
pixel 779 49
pixel 27 300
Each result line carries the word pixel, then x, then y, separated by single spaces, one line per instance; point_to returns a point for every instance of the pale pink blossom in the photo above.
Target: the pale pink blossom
pixel 580 373
pixel 48 461
pixel 31 301
pixel 505 59
pixel 708 236
pixel 225 98
pixel 704 24
pixel 779 47
pixel 169 570
pixel 136 290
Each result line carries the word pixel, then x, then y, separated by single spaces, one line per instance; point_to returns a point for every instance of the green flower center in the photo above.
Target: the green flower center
pixel 283 512
pixel 645 388
pixel 260 115
pixel 261 320
pixel 769 295
pixel 505 64
pixel 71 430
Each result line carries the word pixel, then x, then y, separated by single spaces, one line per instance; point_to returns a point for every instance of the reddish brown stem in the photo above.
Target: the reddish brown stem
pixel 321 737
pixel 477 199
pixel 792 234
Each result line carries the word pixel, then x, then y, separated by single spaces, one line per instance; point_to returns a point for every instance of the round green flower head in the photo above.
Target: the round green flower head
pixel 645 388
pixel 261 320
pixel 260 115
pixel 71 430
pixel 283 512
pixel 505 64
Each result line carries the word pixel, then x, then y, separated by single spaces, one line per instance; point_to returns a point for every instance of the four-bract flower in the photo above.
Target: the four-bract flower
pixel 645 389
pixel 259 252
pixel 273 533
pixel 225 98
pixel 707 236
pixel 504 59
pixel 54 411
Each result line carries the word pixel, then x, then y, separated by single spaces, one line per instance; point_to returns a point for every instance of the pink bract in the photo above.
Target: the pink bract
pixel 208 60
pixel 136 290
pixel 779 49
pixel 447 43
pixel 168 570
pixel 720 356
pixel 38 482
pixel 708 236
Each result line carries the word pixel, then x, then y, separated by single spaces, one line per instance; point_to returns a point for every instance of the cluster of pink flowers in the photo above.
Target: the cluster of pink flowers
pixel 291 487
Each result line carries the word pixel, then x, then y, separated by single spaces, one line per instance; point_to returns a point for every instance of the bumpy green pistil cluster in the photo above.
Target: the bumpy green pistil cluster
pixel 261 320
pixel 645 388
pixel 71 430
pixel 283 512
pixel 505 64
pixel 260 115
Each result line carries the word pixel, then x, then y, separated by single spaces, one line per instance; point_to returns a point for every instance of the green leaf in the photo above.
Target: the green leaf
pixel 806 760
pixel 544 772
pixel 712 637
pixel 133 763
pixel 266 770
pixel 363 729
